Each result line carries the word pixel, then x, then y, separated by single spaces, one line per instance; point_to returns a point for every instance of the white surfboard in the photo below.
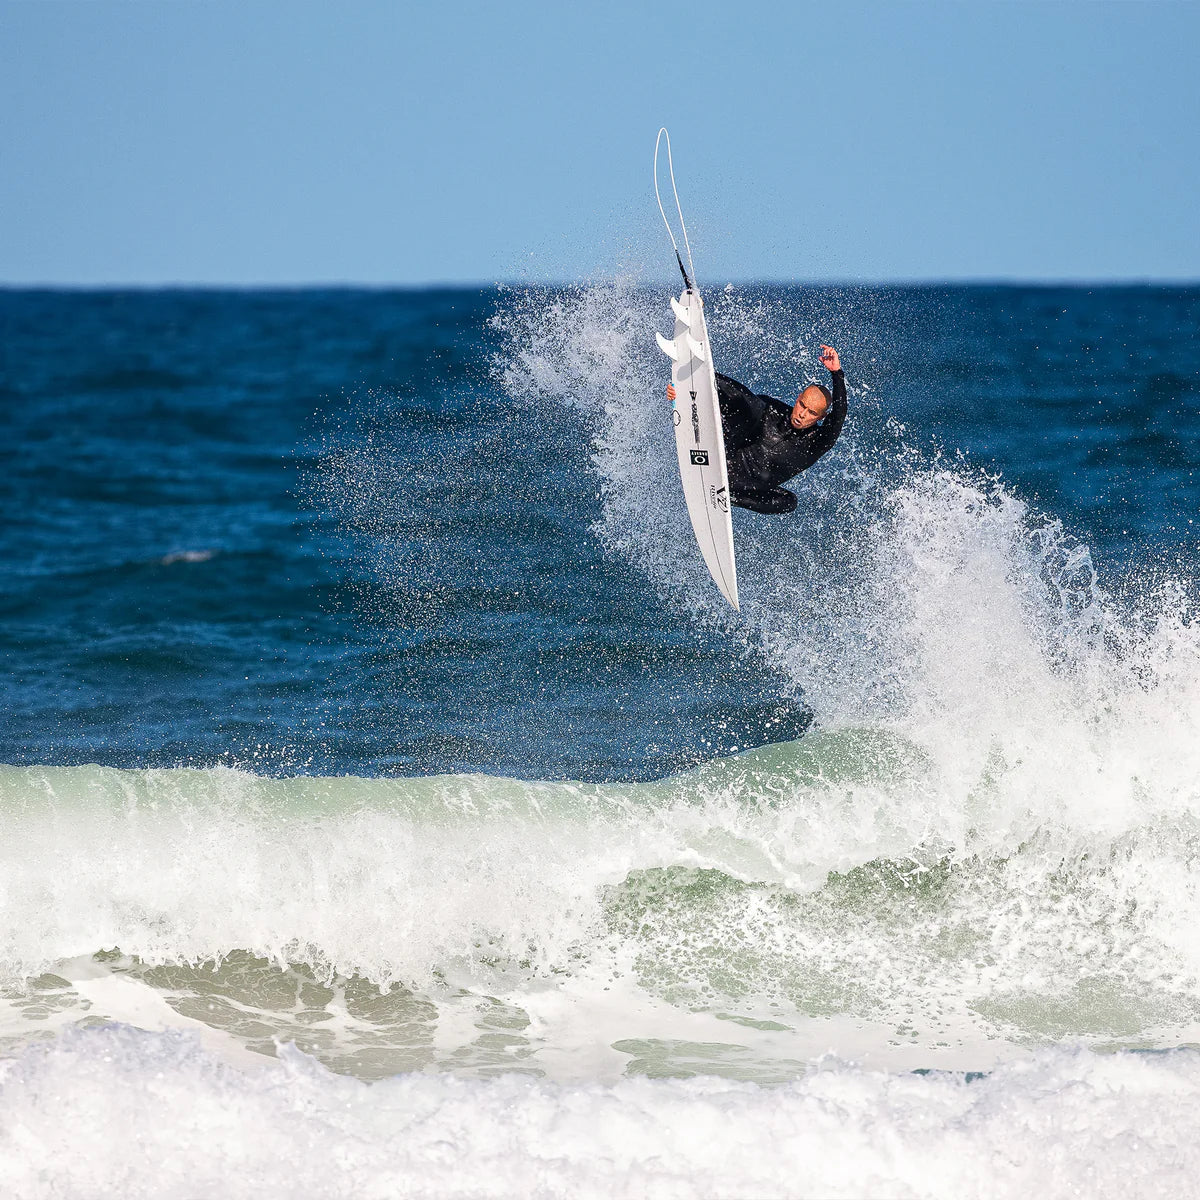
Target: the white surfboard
pixel 700 441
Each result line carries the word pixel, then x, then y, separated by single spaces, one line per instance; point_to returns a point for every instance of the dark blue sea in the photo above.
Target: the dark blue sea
pixel 374 742
pixel 319 532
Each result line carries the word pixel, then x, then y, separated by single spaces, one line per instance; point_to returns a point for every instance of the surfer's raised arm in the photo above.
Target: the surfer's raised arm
pixel 835 415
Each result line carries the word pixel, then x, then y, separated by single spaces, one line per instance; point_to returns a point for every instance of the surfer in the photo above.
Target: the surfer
pixel 767 442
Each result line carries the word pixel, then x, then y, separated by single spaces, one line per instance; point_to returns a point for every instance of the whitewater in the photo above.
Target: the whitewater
pixel 926 930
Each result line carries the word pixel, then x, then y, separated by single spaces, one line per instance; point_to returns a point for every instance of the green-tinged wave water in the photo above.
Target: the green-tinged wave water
pixel 748 908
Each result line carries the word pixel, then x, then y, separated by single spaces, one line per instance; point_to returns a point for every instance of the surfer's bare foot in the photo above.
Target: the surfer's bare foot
pixel 829 356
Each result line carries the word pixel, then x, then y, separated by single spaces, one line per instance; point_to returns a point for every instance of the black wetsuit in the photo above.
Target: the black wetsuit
pixel 764 449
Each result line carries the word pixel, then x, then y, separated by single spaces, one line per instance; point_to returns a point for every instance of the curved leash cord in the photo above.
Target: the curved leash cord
pixel 678 208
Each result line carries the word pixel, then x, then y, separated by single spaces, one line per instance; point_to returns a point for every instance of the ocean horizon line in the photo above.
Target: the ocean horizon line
pixel 422 287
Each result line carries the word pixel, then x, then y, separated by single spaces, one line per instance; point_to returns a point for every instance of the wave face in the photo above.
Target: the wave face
pixel 760 908
pixel 473 776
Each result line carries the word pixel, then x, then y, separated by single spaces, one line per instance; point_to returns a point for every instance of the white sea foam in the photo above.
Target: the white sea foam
pixel 115 1112
pixel 788 886
pixel 186 556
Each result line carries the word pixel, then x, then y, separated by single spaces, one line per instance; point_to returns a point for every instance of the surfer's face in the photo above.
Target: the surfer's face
pixel 810 408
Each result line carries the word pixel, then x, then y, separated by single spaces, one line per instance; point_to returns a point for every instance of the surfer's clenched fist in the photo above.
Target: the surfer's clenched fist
pixel 829 356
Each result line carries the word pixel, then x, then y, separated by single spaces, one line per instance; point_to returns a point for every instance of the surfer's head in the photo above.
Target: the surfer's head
pixel 811 407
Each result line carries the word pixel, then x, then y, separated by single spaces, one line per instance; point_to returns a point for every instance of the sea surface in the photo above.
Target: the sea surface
pixel 390 805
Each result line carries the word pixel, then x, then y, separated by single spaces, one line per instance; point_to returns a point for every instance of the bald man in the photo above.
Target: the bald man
pixel 767 443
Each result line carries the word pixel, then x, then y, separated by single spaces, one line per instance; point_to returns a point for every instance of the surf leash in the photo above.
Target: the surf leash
pixel 675 245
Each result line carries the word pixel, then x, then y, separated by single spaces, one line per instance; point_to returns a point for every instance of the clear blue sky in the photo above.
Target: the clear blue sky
pixel 251 142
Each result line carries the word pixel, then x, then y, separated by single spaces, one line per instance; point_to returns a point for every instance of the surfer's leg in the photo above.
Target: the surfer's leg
pixel 750 484
pixel 773 500
pixel 748 469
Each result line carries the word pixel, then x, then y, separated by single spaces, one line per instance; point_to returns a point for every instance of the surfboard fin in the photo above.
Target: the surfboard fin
pixel 695 347
pixel 681 312
pixel 667 347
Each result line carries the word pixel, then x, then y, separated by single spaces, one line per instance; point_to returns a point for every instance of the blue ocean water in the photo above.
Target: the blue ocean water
pixel 387 790
pixel 312 531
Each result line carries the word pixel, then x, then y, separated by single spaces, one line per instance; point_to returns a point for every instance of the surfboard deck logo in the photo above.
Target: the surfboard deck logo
pixel 700 441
